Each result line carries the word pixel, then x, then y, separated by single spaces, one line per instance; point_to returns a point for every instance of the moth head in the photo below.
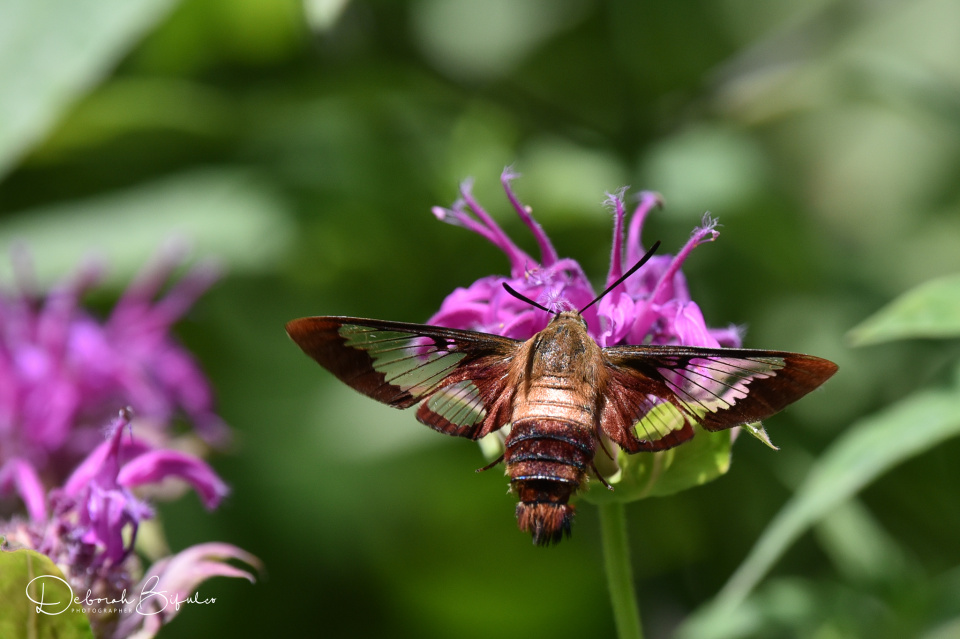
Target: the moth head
pixel 569 316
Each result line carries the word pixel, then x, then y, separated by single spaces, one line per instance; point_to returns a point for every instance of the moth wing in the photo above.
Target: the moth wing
pixel 458 377
pixel 655 394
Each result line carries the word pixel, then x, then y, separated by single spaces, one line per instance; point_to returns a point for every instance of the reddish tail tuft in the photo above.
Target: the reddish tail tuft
pixel 547 522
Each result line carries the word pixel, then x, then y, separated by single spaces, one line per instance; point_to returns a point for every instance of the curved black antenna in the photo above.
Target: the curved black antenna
pixel 526 299
pixel 633 269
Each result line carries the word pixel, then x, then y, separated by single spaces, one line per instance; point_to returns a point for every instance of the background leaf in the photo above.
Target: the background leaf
pixel 228 215
pixel 930 310
pixel 52 51
pixel 20 617
pixel 869 448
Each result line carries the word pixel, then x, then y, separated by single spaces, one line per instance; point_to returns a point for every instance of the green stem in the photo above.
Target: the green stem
pixel 616 558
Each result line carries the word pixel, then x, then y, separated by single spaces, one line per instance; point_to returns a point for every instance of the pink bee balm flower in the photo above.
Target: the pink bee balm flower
pixel 63 373
pixel 652 306
pixel 94 523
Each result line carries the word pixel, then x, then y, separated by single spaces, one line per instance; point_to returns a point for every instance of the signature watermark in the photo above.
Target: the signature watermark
pixel 150 601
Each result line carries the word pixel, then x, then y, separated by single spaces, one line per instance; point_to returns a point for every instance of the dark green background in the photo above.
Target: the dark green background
pixel 305 153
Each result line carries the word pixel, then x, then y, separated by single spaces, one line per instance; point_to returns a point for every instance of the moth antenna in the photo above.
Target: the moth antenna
pixel 490 465
pixel 599 476
pixel 643 260
pixel 524 298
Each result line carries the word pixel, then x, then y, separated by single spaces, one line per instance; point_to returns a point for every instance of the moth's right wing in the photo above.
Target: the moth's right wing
pixel 655 394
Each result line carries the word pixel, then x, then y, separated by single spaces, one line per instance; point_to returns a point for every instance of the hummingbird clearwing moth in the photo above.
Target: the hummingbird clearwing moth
pixel 558 390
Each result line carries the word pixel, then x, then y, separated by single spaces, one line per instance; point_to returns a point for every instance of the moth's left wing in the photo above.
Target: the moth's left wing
pixel 459 376
pixel 655 394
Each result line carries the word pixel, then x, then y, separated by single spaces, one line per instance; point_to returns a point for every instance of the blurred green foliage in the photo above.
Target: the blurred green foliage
pixel 303 145
pixel 24 594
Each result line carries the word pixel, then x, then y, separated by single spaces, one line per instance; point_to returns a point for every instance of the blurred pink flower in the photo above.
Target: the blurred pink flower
pixel 93 527
pixel 63 373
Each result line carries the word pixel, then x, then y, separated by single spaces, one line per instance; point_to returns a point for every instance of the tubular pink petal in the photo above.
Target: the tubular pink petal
pixel 179 576
pixel 50 409
pixel 699 236
pixel 20 474
pixel 616 312
pixel 185 292
pixel 178 571
pixel 729 337
pixel 518 258
pixel 63 368
pixel 645 317
pixel 509 174
pixel 463 316
pixel 573 271
pixel 690 327
pixel 648 200
pixel 154 466
pixel 548 254
pixel 616 252
pixel 523 325
pixel 651 307
pixel 148 282
pixel 456 217
pixel 60 307
pixel 181 378
pixel 103 463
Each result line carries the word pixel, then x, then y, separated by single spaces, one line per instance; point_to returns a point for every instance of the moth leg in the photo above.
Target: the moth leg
pixel 599 476
pixel 491 464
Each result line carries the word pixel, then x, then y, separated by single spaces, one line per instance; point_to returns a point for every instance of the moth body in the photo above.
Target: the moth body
pixel 559 380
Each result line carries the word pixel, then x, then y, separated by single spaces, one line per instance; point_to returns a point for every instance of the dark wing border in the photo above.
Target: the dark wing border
pixel 717 388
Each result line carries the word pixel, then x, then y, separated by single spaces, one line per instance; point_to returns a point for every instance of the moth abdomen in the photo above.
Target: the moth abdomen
pixel 548 522
pixel 548 451
pixel 547 462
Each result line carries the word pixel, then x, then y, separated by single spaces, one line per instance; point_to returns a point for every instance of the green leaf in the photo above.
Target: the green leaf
pixel 929 310
pixel 52 51
pixel 47 585
pixel 868 449
pixel 858 546
pixel 698 461
pixel 225 214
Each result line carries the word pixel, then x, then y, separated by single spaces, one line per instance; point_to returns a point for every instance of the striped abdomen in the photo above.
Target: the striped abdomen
pixel 547 461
